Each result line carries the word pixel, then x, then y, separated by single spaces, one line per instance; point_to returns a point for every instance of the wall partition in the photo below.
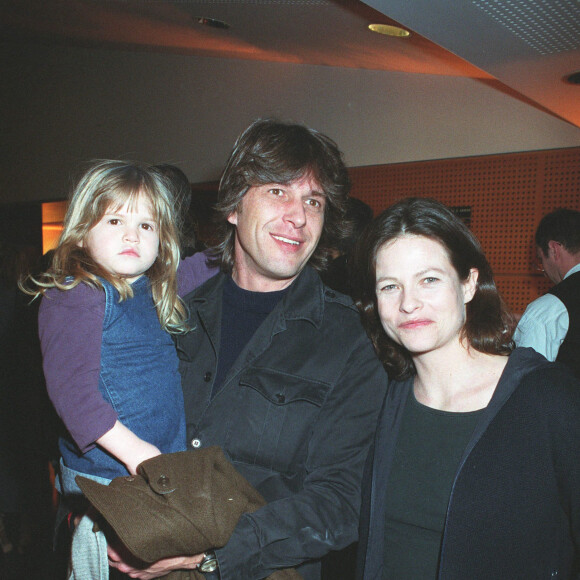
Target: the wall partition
pixel 502 197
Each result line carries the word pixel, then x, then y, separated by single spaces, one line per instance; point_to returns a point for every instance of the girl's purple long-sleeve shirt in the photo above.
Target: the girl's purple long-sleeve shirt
pixel 70 328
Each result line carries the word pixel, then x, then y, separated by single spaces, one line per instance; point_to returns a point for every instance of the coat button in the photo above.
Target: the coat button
pixel 207 377
pixel 163 481
pixel 280 398
pixel 195 443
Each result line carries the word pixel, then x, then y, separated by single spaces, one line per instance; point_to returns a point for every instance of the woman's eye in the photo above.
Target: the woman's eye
pixel 388 287
pixel 277 192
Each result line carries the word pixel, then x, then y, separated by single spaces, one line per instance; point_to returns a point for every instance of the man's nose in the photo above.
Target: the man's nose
pixel 295 213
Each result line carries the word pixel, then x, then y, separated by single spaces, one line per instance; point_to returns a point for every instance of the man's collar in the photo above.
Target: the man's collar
pixel 572 270
pixel 304 300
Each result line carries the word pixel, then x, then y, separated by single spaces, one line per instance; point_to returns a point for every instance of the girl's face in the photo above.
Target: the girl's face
pixel 125 241
pixel 421 301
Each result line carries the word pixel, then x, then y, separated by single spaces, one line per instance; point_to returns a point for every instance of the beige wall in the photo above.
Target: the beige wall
pixel 63 106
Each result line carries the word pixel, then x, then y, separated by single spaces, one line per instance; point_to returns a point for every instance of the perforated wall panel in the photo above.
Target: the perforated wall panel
pixel 507 194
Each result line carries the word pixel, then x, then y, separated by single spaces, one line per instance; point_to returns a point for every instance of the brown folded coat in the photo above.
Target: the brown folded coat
pixel 180 503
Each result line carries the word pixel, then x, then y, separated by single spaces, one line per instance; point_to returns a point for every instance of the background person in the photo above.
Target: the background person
pixel 474 472
pixel 551 324
pixel 337 275
pixel 182 195
pixel 28 427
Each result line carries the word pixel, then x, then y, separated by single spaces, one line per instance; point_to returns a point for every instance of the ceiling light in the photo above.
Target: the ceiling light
pixel 212 22
pixel 389 30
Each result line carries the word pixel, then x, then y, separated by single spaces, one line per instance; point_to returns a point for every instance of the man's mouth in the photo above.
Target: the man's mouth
pixel 286 240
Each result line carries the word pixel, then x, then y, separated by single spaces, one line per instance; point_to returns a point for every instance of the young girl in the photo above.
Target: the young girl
pixel 110 304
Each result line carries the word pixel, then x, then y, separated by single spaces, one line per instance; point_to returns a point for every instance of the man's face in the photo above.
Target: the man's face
pixel 549 264
pixel 278 227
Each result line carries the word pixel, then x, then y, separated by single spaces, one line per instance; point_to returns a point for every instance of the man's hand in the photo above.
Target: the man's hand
pixel 121 559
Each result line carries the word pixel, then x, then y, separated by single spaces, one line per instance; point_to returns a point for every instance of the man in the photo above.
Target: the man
pixel 277 369
pixel 551 324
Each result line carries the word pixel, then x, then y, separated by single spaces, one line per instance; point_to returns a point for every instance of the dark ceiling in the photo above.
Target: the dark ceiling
pixel 528 53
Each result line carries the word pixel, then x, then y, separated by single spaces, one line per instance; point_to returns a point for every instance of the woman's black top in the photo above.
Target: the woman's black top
pixel 429 448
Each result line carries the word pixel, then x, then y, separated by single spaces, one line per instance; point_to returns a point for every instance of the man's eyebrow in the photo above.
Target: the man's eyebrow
pixel 316 193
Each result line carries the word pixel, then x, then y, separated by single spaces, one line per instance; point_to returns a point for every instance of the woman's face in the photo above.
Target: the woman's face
pixel 421 301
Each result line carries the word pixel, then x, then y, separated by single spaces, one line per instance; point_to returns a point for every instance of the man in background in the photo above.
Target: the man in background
pixel 551 324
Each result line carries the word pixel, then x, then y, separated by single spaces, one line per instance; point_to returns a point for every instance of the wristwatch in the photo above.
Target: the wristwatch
pixel 209 563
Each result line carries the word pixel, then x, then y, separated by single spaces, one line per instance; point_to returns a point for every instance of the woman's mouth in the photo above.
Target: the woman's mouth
pixel 412 324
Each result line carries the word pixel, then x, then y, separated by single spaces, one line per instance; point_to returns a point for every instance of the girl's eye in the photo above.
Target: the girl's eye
pixel 114 221
pixel 148 227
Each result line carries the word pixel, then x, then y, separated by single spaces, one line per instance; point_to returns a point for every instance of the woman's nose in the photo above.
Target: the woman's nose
pixel 409 301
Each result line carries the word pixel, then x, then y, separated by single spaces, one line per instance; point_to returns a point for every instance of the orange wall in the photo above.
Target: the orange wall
pixel 508 195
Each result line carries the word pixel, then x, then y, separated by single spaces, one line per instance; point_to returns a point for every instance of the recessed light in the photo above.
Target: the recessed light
pixel 389 30
pixel 212 22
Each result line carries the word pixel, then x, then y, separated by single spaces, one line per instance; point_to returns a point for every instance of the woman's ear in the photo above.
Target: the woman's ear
pixel 470 285
pixel 233 218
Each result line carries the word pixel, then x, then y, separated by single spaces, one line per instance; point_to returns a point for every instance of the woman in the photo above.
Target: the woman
pixel 475 470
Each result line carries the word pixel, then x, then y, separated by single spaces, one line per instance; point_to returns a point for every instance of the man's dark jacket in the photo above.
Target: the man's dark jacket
pixel 295 414
pixel 514 510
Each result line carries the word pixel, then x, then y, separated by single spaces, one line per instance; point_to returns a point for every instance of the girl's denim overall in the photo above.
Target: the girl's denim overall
pixel 139 378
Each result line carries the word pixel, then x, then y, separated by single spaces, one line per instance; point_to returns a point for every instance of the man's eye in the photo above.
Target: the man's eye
pixel 276 191
pixel 430 280
pixel 314 203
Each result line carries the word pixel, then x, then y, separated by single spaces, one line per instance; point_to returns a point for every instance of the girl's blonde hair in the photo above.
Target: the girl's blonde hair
pixel 109 185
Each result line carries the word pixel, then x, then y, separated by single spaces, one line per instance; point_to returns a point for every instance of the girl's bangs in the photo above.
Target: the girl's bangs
pixel 127 195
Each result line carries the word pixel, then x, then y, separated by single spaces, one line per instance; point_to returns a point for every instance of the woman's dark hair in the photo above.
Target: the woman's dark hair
pixel 488 326
pixel 270 151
